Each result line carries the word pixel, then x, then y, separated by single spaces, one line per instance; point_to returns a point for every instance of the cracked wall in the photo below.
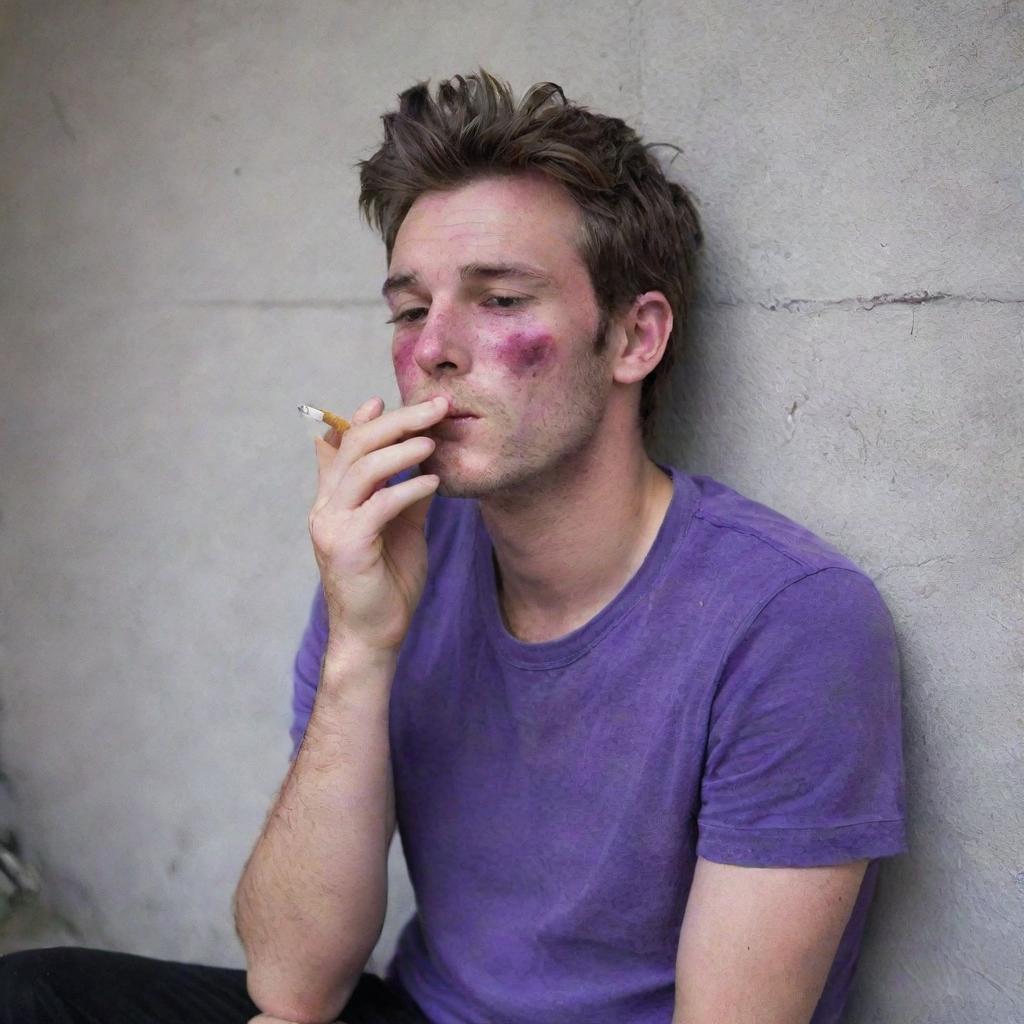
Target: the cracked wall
pixel 183 264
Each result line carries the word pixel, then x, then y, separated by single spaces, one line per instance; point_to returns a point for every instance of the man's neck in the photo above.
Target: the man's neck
pixel 565 550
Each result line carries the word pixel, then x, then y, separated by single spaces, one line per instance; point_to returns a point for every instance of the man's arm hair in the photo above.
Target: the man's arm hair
pixel 310 904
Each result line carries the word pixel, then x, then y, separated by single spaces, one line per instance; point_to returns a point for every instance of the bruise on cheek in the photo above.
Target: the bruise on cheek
pixel 526 351
pixel 401 357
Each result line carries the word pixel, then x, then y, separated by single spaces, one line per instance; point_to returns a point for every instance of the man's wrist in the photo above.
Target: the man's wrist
pixel 350 662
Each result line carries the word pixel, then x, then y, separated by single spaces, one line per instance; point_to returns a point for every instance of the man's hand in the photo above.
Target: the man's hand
pixel 367 537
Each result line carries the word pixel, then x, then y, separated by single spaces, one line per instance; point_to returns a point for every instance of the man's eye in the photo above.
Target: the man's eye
pixel 417 313
pixel 407 316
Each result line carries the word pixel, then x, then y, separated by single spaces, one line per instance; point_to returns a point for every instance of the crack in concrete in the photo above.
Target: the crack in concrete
pixel 912 565
pixel 868 303
pixel 1005 92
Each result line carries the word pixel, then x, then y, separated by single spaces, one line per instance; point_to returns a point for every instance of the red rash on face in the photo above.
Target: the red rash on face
pixel 525 351
pixel 521 353
pixel 402 358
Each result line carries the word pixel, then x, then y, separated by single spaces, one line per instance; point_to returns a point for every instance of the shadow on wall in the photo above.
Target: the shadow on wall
pixel 26 922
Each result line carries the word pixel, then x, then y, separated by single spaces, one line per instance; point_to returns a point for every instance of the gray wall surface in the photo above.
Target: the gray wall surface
pixel 182 264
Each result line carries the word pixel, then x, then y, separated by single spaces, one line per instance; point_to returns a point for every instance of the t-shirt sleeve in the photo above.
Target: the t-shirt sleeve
pixel 306 668
pixel 804 762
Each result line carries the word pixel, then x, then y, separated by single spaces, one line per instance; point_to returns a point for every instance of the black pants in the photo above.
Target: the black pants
pixel 65 985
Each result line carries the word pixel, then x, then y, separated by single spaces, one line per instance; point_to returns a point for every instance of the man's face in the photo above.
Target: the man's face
pixel 495 309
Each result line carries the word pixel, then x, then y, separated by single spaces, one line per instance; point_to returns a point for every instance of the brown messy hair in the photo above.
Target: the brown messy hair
pixel 640 231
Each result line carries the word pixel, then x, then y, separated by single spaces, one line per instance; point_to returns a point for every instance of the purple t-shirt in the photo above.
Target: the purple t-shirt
pixel 739 699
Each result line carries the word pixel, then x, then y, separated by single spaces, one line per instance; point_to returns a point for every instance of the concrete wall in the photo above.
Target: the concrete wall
pixel 182 264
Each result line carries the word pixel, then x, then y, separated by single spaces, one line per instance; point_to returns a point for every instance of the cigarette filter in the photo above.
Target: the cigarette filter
pixel 324 416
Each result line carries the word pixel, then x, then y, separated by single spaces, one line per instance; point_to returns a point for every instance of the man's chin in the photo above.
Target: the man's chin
pixel 457 485
pixel 480 478
pixel 461 482
pixel 455 481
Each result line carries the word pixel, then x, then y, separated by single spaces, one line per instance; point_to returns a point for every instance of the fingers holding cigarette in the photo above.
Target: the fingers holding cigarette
pixel 368 534
pixel 381 447
pixel 369 410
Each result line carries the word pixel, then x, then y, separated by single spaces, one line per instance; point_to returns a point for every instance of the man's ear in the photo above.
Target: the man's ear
pixel 646 327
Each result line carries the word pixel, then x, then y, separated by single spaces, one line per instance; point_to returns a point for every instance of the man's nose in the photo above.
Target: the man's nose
pixel 441 346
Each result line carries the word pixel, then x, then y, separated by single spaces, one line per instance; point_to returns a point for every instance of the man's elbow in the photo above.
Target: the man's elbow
pixel 309 1003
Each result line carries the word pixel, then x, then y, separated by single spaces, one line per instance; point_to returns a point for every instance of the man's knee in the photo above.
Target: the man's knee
pixel 31 978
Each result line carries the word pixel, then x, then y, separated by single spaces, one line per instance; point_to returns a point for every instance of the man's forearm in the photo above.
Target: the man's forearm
pixel 310 905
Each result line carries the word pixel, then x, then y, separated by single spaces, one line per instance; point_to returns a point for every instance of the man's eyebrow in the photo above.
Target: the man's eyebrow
pixel 475 271
pixel 489 271
pixel 396 282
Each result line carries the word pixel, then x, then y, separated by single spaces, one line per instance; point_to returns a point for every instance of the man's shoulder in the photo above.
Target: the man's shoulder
pixel 743 528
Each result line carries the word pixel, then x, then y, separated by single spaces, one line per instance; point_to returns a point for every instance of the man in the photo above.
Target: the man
pixel 640 734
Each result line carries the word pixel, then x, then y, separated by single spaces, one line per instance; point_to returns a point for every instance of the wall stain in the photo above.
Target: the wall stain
pixel 62 119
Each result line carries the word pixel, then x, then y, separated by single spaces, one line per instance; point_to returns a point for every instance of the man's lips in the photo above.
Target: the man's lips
pixel 454 423
pixel 457 412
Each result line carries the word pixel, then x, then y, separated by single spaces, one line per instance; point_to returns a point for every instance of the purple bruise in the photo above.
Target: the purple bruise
pixel 524 351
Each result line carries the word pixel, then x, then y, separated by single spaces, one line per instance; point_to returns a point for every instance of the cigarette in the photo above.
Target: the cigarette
pixel 324 416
